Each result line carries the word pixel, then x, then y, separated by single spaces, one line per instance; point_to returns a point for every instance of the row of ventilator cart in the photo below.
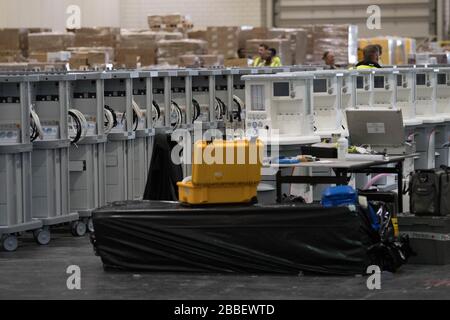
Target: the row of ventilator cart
pixel 74 141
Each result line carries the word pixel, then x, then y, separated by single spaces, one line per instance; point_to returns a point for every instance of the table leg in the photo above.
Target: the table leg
pixel 399 167
pixel 278 185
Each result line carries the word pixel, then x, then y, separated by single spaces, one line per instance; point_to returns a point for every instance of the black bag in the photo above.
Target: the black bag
pixel 430 192
pixel 445 191
pixel 387 202
pixel 163 174
pixel 387 251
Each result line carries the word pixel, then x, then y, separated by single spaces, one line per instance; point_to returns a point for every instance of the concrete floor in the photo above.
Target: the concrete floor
pixel 39 272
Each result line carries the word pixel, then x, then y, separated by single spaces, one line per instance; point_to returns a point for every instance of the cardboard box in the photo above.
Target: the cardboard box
pixel 190 61
pixel 79 60
pixel 223 41
pixel 8 56
pixel 37 57
pixel 175 48
pixel 198 34
pixel 249 33
pixel 236 62
pixel 172 61
pixel 96 55
pixel 131 57
pixel 212 60
pixel 97 37
pixel 298 39
pixel 14 39
pixel 145 39
pixel 50 41
pixel 13 66
pixel 171 23
pixel 341 39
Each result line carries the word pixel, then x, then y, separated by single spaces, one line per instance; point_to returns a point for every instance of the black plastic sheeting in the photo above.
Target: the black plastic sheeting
pixel 286 239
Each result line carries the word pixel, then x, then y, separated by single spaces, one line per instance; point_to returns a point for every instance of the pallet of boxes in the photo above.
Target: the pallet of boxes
pixel 138 48
pixel 48 50
pixel 341 39
pixel 13 45
pixel 93 47
pixel 186 51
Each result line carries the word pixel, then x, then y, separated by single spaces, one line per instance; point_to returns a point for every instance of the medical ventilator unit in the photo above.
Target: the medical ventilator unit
pixel 223 172
pixel 15 162
pixel 329 99
pixel 443 92
pixel 87 159
pixel 405 96
pixel 50 156
pixel 425 98
pixel 120 157
pixel 280 108
pixel 426 86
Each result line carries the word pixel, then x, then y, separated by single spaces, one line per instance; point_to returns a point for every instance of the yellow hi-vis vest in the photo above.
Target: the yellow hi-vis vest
pixel 276 62
pixel 258 62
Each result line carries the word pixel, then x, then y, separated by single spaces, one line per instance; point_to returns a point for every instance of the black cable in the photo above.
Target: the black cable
pixel 197 110
pixel 180 114
pixel 78 127
pixel 158 110
pixel 222 108
pixel 34 131
pixel 239 112
pixel 135 120
pixel 113 115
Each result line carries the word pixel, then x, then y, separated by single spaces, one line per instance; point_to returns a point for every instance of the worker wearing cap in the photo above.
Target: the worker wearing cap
pixel 371 57
pixel 260 59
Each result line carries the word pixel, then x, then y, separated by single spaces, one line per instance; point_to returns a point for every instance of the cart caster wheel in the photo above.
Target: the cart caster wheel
pixel 90 225
pixel 78 228
pixel 42 236
pixel 9 243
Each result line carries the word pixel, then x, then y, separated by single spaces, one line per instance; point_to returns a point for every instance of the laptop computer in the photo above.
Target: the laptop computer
pixel 381 129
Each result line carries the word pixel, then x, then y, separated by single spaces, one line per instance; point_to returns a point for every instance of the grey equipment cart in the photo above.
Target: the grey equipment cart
pixel 87 160
pixel 15 163
pixel 50 156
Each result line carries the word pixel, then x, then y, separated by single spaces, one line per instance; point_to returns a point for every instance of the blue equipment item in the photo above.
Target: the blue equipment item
pixel 286 160
pixel 339 196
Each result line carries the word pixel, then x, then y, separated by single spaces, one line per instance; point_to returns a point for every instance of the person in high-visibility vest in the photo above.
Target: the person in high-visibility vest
pixel 260 59
pixel 371 57
pixel 273 60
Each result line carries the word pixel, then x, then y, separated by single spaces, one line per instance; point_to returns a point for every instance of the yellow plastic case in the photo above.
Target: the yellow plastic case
pixel 223 172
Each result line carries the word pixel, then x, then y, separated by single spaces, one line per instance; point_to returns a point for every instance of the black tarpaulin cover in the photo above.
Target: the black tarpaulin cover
pixel 289 238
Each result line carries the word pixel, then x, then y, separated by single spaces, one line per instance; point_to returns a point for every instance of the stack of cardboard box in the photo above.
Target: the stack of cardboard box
pixel 172 22
pixel 198 61
pixel 39 44
pixel 223 41
pixel 13 44
pixel 87 57
pixel 138 47
pixel 97 37
pixel 297 38
pixel 342 40
pixel 198 34
pixel 250 33
pixel 169 51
